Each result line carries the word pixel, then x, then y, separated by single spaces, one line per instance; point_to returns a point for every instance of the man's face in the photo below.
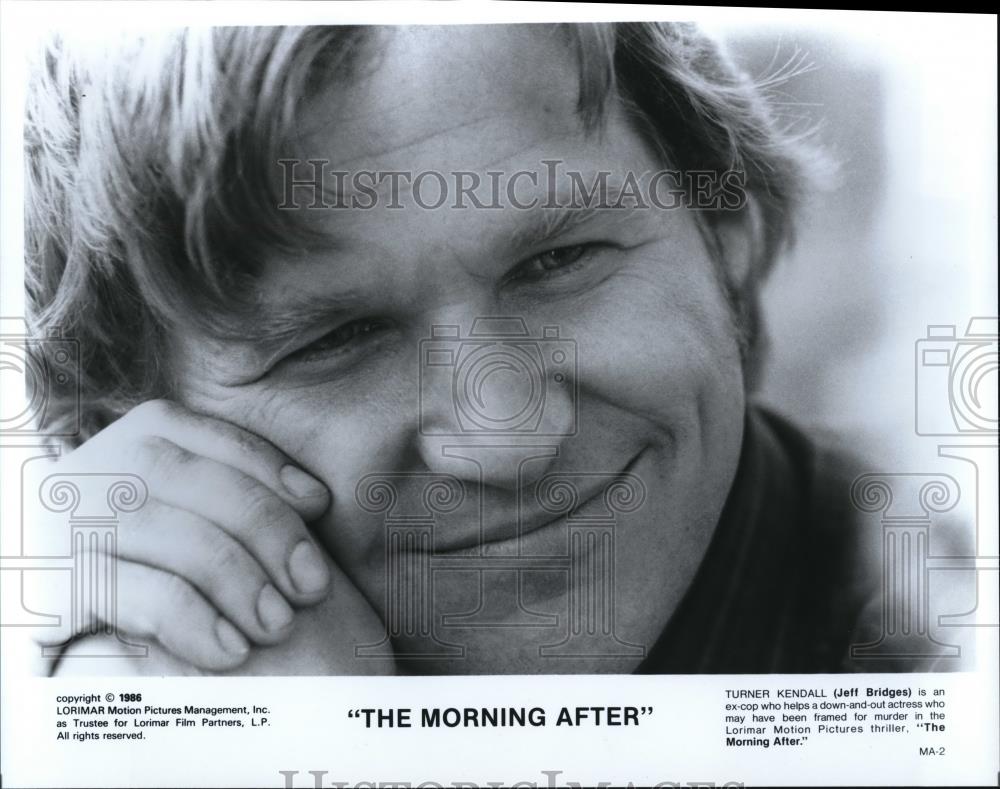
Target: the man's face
pixel 655 390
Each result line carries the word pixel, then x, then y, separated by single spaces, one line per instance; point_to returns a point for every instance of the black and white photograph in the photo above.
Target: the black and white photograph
pixel 416 341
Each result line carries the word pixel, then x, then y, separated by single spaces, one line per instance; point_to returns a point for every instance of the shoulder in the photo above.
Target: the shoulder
pixel 846 587
pixel 837 572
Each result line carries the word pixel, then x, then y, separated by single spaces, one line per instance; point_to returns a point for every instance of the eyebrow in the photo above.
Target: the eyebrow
pixel 549 223
pixel 272 327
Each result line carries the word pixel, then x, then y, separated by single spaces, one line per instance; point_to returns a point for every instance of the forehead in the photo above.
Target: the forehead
pixel 439 97
pixel 482 99
pixel 449 100
pixel 446 100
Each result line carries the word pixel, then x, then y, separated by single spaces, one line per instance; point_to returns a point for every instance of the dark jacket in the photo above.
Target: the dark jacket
pixel 792 578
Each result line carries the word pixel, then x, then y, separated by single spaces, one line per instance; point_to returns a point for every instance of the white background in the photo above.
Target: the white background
pixel 933 245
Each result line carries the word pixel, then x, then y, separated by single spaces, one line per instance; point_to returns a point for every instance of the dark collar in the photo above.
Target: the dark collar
pixel 737 613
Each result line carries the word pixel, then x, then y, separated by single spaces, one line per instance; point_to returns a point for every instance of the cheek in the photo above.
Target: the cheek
pixel 658 339
pixel 341 441
pixel 337 437
pixel 660 363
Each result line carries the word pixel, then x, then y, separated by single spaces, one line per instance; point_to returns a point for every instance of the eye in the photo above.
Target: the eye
pixel 341 340
pixel 552 263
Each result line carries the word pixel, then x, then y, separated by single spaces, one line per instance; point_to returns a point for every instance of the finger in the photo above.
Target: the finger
pixel 230 444
pixel 157 662
pixel 273 533
pixel 153 604
pixel 213 561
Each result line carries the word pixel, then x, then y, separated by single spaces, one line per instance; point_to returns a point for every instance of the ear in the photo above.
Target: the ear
pixel 740 239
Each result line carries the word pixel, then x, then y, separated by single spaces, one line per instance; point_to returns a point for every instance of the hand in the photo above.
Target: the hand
pixel 219 557
pixel 321 642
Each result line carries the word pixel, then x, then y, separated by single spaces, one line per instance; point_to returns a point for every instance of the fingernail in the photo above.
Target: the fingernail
pixel 273 611
pixel 307 568
pixel 231 639
pixel 300 484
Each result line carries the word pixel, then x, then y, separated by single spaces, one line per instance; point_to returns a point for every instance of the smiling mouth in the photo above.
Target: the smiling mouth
pixel 512 543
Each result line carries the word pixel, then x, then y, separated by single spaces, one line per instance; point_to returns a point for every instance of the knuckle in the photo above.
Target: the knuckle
pixel 149 515
pixel 180 597
pixel 147 451
pixel 246 442
pixel 261 506
pixel 135 612
pixel 137 618
pixel 164 455
pixel 232 580
pixel 270 520
pixel 142 623
pixel 226 560
pixel 263 455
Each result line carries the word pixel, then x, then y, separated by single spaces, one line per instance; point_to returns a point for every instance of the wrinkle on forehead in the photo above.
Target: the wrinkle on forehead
pixel 513 83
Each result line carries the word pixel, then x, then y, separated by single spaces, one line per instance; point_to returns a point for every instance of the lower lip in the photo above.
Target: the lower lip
pixel 540 541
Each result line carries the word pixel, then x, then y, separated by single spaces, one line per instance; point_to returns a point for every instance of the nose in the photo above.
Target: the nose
pixel 496 398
